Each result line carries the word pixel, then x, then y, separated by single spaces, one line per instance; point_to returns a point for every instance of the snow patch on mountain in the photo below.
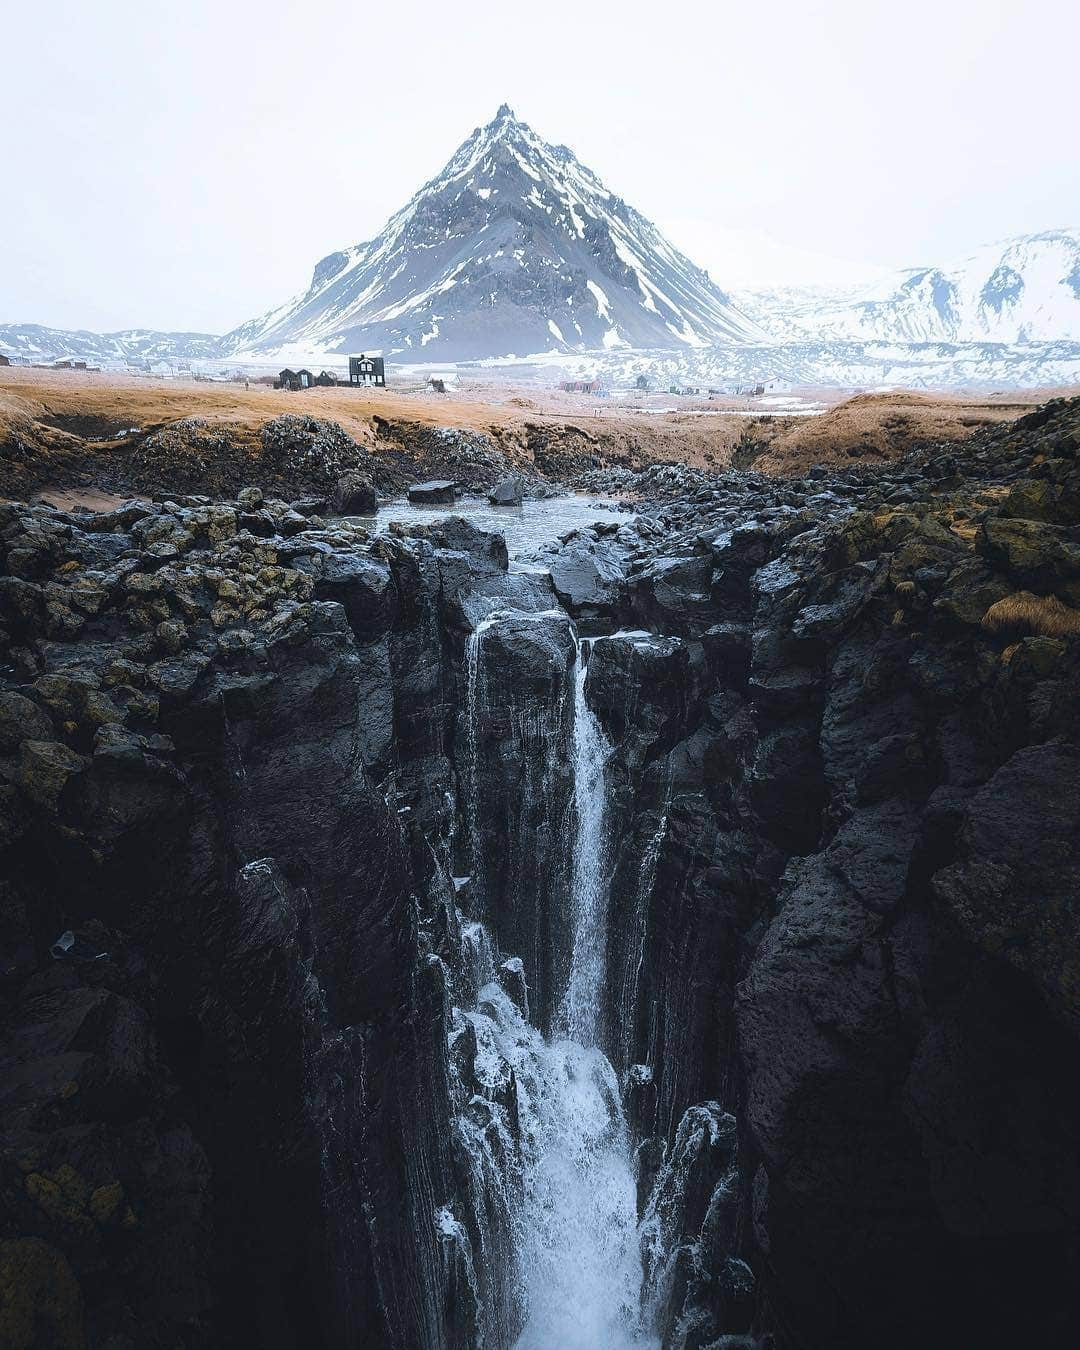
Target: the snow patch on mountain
pixel 852 365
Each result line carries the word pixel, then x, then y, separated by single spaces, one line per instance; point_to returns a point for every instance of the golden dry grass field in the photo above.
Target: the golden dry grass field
pixel 55 418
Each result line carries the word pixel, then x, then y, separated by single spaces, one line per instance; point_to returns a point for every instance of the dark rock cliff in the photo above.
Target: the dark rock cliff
pixel 238 747
pixel 846 899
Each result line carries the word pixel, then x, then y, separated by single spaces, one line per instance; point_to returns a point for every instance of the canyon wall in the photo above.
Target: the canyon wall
pixel 289 895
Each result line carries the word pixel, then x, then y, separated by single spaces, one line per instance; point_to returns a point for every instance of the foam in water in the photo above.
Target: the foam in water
pixel 551 1141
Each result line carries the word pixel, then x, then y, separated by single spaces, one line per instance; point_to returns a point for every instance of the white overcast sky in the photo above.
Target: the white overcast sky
pixel 184 165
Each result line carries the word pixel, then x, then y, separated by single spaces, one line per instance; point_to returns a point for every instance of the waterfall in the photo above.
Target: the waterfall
pixel 552 1220
pixel 542 1126
pixel 590 870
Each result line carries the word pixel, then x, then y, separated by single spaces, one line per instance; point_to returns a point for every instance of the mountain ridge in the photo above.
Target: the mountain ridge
pixel 1023 289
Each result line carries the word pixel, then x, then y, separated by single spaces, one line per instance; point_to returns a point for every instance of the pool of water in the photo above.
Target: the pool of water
pixel 525 528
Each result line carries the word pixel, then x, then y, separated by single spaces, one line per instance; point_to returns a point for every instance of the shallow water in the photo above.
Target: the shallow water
pixel 524 527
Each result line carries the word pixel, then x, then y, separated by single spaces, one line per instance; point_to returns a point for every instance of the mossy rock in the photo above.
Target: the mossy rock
pixel 106 1203
pixel 45 767
pixel 969 592
pixel 1036 554
pixel 41 1305
pixel 1031 499
pixel 20 720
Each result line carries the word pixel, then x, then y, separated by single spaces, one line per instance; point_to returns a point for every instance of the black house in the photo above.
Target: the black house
pixel 367 370
pixel 295 379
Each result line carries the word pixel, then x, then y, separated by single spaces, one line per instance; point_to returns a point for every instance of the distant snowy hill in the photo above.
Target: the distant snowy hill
pixel 135 346
pixel 515 247
pixel 1023 290
pixel 848 364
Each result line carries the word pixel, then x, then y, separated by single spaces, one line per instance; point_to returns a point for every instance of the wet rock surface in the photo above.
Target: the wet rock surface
pixel 241 886
pixel 507 492
pixel 214 1083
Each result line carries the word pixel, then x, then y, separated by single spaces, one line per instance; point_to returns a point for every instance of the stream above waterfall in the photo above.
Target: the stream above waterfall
pixel 525 528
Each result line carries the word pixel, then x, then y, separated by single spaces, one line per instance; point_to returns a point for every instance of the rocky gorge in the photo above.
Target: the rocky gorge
pixel 669 940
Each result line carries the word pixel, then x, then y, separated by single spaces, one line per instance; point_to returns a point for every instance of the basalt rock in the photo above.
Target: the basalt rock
pixel 261 776
pixel 878 902
pixel 191 928
pixel 433 493
pixel 512 752
pixel 354 495
pixel 507 492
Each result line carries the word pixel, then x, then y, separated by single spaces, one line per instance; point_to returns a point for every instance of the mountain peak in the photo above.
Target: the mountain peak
pixel 514 247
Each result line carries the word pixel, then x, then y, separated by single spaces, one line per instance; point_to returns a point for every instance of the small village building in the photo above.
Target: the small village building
pixel 367 370
pixel 325 378
pixel 760 387
pixel 295 380
pixel 4 360
pixel 595 388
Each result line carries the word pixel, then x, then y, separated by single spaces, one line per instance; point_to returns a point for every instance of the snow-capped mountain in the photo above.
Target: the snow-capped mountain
pixel 134 346
pixel 514 247
pixel 1019 291
pixel 517 251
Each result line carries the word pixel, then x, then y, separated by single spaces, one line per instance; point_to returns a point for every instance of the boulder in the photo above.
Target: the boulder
pixel 588 575
pixel 432 493
pixel 507 492
pixel 354 495
pixel 511 975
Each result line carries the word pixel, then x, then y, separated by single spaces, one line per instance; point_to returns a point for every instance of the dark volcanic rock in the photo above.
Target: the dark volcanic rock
pixel 211 973
pixel 587 572
pixel 507 492
pixel 513 755
pixel 432 493
pixel 354 495
pixel 845 887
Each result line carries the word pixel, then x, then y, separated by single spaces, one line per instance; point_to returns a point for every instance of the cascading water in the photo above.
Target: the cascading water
pixel 590 875
pixel 542 1122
